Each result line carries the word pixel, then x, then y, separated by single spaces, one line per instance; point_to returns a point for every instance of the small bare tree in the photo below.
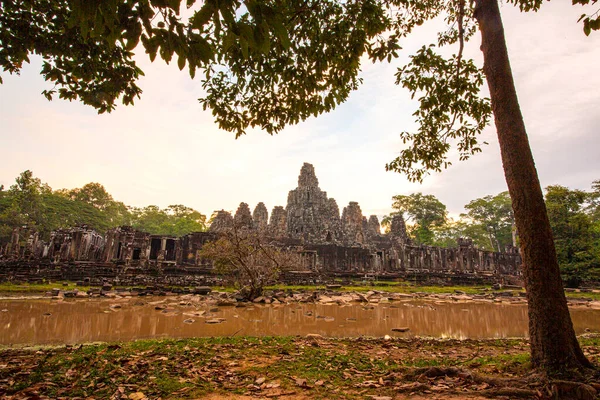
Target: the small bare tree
pixel 248 258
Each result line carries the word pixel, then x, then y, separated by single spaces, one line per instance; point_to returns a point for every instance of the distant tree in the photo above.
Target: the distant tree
pixel 5 218
pixel 247 258
pixel 386 223
pixel 94 194
pixel 494 215
pixel 150 219
pixel 34 204
pixel 425 211
pixel 27 198
pixel 573 234
pixel 29 202
pixel 593 207
pixel 176 220
pixel 187 219
pixel 446 235
pixel 61 212
pixel 593 211
pixel 22 204
pixel 115 212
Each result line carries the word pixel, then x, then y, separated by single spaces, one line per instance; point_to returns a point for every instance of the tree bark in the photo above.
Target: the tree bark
pixel 553 342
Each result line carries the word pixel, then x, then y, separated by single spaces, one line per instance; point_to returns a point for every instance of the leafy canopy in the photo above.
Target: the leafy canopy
pixel 494 215
pixel 175 220
pixel 264 63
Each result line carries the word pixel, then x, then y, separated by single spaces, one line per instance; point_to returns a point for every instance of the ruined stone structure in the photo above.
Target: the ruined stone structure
pixel 242 217
pixel 309 212
pixel 278 222
pixel 260 217
pixel 76 244
pixel 352 224
pixel 398 227
pixel 310 224
pixel 223 220
pixel 373 227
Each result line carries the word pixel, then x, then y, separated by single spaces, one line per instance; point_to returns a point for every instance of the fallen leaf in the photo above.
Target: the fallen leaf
pixel 260 380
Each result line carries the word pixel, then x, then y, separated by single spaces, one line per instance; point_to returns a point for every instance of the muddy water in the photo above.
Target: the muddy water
pixel 77 321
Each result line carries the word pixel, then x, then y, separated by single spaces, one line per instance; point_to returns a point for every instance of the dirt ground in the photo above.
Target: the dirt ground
pixel 291 368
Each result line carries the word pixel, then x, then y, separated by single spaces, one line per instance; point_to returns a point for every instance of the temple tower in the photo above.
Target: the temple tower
pixel 243 218
pixel 260 217
pixel 308 208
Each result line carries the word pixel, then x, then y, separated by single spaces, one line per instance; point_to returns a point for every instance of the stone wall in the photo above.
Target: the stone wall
pixel 75 244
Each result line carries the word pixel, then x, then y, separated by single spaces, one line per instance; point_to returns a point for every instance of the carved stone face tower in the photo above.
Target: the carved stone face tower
pixel 308 208
pixel 398 228
pixel 260 217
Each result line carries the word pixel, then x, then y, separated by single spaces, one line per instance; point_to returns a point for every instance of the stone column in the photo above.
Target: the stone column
pixel 14 243
pixel 163 250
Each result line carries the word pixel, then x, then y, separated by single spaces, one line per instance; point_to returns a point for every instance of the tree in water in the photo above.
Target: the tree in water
pixel 248 259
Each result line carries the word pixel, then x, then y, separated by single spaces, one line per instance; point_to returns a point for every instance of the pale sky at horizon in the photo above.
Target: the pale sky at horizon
pixel 166 150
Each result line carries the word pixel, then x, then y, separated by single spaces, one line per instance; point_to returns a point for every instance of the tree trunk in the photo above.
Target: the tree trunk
pixel 491 241
pixel 553 342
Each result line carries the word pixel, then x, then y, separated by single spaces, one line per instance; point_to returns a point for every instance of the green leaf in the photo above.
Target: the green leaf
pixel 281 33
pixel 586 27
pixel 203 50
pixel 244 47
pixel 201 17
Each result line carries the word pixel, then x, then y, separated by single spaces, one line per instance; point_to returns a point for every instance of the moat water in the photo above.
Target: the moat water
pixel 44 321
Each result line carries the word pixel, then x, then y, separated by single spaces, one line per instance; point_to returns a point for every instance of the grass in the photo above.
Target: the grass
pixel 582 295
pixel 9 287
pixel 513 363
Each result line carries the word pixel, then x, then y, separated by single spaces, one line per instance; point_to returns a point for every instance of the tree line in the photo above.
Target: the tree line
pixel 29 202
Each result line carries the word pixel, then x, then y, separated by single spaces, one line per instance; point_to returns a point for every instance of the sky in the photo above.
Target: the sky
pixel 167 150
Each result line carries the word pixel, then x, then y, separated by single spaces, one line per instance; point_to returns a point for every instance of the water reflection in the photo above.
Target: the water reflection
pixel 76 321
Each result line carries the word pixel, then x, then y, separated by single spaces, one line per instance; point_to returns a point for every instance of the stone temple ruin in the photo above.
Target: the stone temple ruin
pixel 331 244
